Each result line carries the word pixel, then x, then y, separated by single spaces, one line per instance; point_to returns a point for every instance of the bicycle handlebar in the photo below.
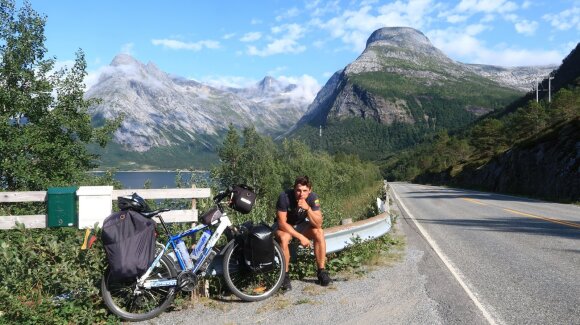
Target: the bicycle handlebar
pixel 221 195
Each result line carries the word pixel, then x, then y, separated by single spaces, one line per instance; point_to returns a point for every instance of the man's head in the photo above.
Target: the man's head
pixel 302 187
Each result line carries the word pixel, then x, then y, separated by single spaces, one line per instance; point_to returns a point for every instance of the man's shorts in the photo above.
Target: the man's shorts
pixel 301 227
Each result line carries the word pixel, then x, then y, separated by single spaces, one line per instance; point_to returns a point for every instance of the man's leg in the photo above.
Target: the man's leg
pixel 317 236
pixel 284 239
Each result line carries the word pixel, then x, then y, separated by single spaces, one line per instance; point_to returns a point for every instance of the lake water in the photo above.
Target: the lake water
pixel 159 179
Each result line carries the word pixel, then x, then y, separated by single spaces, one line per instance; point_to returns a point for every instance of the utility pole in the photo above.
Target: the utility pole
pixel 537 89
pixel 550 89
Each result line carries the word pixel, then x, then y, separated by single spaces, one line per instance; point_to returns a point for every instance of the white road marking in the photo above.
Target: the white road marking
pixel 447 263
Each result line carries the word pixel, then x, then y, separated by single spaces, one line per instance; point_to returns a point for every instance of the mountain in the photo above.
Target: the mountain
pixel 400 89
pixel 520 78
pixel 532 149
pixel 173 122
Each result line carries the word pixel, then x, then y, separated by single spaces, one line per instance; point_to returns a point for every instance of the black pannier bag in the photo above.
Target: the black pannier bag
pixel 243 198
pixel 129 241
pixel 259 248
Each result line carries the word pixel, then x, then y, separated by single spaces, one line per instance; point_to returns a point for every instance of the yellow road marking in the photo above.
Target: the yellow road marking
pixel 562 222
pixel 473 201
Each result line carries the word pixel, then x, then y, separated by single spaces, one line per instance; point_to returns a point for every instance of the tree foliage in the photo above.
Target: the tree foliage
pixel 485 139
pixel 44 124
pixel 255 160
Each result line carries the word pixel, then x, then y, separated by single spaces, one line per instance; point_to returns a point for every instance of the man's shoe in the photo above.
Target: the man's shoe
pixel 286 284
pixel 323 277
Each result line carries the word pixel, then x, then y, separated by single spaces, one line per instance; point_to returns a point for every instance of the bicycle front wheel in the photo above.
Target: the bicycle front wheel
pixel 133 303
pixel 248 285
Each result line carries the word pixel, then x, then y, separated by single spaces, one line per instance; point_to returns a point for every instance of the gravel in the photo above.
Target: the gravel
pixel 389 294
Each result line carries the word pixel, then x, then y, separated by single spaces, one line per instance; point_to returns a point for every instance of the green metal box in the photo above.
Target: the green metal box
pixel 62 207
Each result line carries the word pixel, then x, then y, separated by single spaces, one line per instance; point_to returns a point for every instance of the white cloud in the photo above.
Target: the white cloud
pixel 306 87
pixel 456 18
pixel 290 13
pixel 455 42
pixel 227 81
pixel 520 57
pixel 287 43
pixel 319 8
pixel 319 44
pixel 564 20
pixel 354 26
pixel 93 76
pixel 179 45
pixel 467 48
pixel 527 4
pixel 228 36
pixel 476 29
pixel 486 6
pixel 526 27
pixel 251 37
pixel 255 21
pixel 487 18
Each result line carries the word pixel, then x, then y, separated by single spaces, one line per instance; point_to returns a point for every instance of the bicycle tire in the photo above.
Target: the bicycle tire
pixel 122 300
pixel 252 286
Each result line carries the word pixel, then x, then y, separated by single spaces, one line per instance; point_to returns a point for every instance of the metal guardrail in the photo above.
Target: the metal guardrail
pixel 339 237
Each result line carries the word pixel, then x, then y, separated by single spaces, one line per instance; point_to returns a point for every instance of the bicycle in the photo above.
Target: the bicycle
pixel 149 295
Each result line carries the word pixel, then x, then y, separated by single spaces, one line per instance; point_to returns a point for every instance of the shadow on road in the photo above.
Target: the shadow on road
pixel 521 225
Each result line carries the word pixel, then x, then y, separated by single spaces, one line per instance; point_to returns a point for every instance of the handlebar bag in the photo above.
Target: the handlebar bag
pixel 243 198
pixel 259 248
pixel 129 241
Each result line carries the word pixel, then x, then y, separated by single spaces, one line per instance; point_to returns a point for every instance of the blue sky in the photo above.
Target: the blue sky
pixel 237 43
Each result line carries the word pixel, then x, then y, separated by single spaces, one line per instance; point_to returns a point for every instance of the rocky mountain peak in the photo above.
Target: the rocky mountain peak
pixel 124 59
pixel 389 45
pixel 164 111
pixel 399 37
pixel 269 84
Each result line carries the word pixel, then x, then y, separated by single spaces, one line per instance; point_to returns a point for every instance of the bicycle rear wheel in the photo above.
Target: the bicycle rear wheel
pixel 133 303
pixel 248 285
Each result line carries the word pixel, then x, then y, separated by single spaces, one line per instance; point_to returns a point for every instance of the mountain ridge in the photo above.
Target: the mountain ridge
pixel 153 101
pixel 401 81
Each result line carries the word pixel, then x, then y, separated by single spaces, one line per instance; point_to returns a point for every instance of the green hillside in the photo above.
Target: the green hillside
pixel 447 106
pixel 530 149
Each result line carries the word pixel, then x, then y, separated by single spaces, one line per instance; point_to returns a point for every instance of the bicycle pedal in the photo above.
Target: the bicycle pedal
pixel 186 281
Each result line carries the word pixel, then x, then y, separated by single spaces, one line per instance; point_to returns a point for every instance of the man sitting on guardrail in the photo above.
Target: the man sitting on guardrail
pixel 298 215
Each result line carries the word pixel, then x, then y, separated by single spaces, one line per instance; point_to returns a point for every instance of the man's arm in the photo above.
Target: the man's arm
pixel 315 217
pixel 285 227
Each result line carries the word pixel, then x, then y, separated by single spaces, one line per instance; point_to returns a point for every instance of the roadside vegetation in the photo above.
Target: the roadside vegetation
pixel 45 276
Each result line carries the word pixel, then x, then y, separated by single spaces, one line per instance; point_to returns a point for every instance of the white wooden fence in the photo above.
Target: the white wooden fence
pixel 96 203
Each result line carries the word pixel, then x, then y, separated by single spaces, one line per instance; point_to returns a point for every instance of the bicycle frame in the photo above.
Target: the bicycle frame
pixel 223 223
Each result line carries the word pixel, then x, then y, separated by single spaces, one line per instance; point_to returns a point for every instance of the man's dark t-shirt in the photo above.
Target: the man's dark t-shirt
pixel 287 203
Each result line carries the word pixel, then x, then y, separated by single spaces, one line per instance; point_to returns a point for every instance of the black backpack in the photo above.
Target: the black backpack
pixel 129 241
pixel 259 248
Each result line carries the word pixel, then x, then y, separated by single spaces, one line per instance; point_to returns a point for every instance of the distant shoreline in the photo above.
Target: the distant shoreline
pixel 151 171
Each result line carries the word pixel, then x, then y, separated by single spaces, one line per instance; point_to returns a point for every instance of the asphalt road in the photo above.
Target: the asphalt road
pixel 517 260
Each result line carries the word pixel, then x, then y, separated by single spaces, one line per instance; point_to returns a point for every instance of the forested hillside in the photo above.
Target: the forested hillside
pixel 398 92
pixel 532 149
